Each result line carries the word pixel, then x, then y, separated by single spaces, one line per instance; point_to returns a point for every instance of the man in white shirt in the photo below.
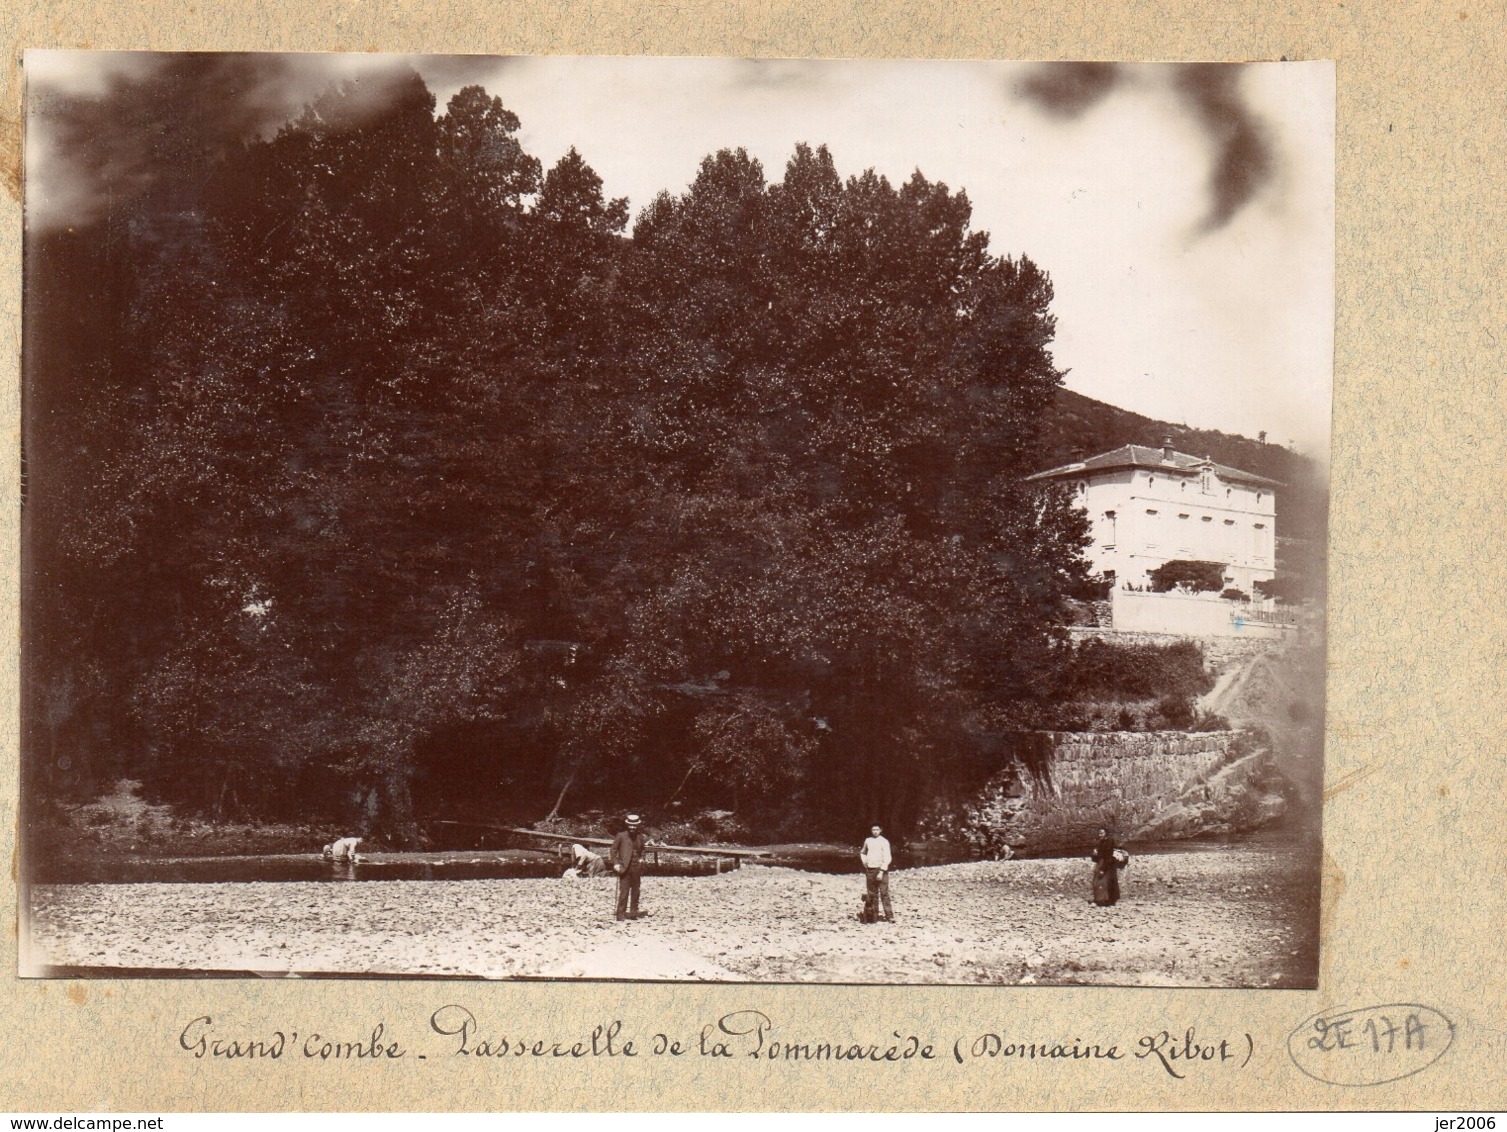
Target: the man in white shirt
pixel 875 856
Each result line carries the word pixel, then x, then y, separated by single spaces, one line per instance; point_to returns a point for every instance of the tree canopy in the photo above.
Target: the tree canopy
pixel 411 486
pixel 1193 575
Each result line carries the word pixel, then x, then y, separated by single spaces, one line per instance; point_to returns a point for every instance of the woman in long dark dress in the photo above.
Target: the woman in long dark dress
pixel 1107 866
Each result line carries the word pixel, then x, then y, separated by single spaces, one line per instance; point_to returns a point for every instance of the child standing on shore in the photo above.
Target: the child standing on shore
pixel 876 859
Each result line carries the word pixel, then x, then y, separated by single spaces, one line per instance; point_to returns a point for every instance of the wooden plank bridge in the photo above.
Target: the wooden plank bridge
pixel 737 856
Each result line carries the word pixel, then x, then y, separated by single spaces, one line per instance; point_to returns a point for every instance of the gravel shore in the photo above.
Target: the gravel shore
pixel 1207 917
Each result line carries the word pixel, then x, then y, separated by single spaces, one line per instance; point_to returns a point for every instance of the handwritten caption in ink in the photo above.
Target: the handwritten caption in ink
pixel 454 1031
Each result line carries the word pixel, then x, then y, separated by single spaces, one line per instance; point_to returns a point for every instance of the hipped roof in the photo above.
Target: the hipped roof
pixel 1139 456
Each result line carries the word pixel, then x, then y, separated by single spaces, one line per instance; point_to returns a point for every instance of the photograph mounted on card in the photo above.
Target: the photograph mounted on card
pixel 675 519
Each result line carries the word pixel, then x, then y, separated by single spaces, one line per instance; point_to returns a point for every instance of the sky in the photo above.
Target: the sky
pixel 1185 213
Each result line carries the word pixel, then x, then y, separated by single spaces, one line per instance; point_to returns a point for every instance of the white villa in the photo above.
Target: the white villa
pixel 1148 506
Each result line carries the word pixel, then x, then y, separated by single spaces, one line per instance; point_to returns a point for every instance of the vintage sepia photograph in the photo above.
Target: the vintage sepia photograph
pixel 674 519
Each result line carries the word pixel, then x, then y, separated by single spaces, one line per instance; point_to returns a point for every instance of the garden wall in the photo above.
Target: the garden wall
pixel 1194 615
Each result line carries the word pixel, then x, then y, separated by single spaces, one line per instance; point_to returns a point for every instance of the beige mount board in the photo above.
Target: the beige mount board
pixel 1414 876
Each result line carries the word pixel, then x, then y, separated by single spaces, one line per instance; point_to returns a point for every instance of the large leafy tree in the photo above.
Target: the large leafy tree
pixel 834 399
pixel 447 474
pixel 325 455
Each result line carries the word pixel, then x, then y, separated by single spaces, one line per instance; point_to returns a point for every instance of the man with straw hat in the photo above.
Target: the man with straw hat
pixel 628 864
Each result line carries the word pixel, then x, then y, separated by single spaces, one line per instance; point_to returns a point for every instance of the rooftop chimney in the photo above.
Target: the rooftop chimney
pixel 1167 449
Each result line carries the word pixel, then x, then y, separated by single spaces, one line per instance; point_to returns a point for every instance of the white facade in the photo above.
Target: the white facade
pixel 1149 506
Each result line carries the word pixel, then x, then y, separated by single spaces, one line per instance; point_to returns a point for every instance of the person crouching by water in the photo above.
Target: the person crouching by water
pixel 1108 859
pixel 343 850
pixel 628 864
pixel 585 863
pixel 876 859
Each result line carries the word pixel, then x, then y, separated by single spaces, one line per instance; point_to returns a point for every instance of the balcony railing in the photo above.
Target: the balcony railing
pixel 1252 613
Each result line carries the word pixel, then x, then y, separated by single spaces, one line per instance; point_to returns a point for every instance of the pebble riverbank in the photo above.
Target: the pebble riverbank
pixel 1222 916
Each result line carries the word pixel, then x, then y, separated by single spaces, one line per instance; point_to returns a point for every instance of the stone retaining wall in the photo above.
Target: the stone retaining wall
pixel 1055 789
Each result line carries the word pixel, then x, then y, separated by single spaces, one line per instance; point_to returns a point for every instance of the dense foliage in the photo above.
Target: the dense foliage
pixel 1129 670
pixel 1190 574
pixel 392 480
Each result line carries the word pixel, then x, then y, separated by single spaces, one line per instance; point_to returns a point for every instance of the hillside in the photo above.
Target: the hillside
pixel 1077 426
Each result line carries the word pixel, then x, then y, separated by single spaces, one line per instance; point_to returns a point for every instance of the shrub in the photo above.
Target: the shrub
pixel 1078 613
pixel 1210 721
pixel 1094 588
pixel 1133 671
pixel 1176 713
pixel 1234 593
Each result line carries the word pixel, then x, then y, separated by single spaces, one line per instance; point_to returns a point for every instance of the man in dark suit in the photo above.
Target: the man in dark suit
pixel 628 864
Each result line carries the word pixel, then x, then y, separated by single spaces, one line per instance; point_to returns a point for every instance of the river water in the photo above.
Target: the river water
pixel 505 864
